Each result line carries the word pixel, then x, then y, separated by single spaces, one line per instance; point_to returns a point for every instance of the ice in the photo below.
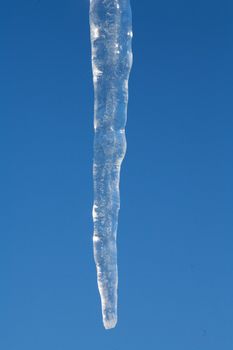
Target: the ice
pixel 111 35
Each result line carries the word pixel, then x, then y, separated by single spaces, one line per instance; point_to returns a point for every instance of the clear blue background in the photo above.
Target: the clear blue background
pixel 176 221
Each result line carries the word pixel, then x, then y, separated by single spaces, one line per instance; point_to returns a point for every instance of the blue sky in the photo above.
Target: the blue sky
pixel 175 231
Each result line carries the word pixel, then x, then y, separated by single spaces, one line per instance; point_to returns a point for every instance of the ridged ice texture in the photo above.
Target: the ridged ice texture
pixel 111 35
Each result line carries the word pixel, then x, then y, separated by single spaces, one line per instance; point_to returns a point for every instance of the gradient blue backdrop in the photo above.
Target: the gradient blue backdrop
pixel 176 221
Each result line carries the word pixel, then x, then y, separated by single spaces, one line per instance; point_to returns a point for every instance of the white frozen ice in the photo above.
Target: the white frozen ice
pixel 111 35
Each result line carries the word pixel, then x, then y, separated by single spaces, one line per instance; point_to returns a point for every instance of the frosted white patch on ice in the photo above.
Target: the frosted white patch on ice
pixel 96 239
pixel 126 84
pixel 94 31
pixel 94 213
pixel 96 73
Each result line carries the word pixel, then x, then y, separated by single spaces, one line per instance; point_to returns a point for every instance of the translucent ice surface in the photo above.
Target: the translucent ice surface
pixel 111 35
